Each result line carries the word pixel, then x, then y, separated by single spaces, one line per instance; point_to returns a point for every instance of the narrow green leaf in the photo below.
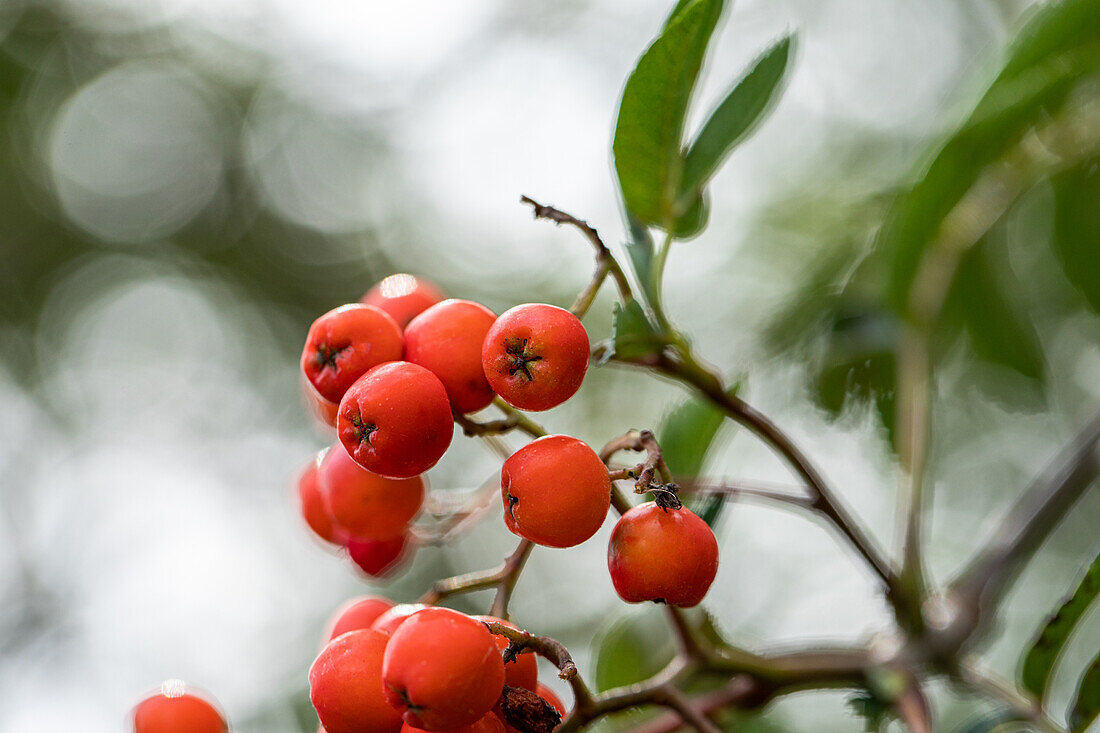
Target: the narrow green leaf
pixel 692 221
pixel 680 5
pixel 640 250
pixel 1052 53
pixel 1077 228
pixel 1038 662
pixel 999 332
pixel 648 140
pixel 1086 705
pixel 631 332
pixel 686 436
pixel 687 433
pixel 633 648
pixel 742 108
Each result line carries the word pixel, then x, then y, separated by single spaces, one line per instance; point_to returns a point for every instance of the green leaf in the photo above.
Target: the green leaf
pixel 687 433
pixel 640 250
pixel 631 332
pixel 691 222
pixel 1086 705
pixel 686 436
pixel 633 648
pixel 1051 54
pixel 728 124
pixel 1077 228
pixel 649 132
pixel 999 332
pixel 1039 660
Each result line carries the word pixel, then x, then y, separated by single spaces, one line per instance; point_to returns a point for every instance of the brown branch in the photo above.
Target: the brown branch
pixel 975 593
pixel 606 264
pixel 513 566
pixel 550 649
pixel 763 491
pixel 685 368
pixel 513 420
pixel 503 578
pixel 670 697
pixel 645 472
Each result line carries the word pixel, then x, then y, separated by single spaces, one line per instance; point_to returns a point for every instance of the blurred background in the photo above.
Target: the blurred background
pixel 186 184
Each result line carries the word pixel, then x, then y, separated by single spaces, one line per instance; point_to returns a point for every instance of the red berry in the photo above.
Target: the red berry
pixel 364 504
pixel 312 504
pixel 556 491
pixel 668 556
pixel 442 670
pixel 379 558
pixel 344 343
pixel 488 723
pixel 524 672
pixel 345 685
pixel 176 708
pixel 403 296
pixel 318 406
pixel 358 613
pixel 548 695
pixel 396 420
pixel 447 340
pixel 535 356
pixel 391 619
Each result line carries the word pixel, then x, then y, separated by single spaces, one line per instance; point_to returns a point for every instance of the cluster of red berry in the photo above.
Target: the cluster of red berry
pixel 392 374
pixel 412 667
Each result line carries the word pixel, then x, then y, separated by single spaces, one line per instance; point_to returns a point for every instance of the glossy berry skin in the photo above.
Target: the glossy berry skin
pixel 442 670
pixel 556 491
pixel 345 685
pixel 365 505
pixel 379 558
pixel 391 619
pixel 176 709
pixel 403 296
pixel 488 723
pixel 535 356
pixel 312 504
pixel 346 342
pixel 396 420
pixel 357 613
pixel 524 672
pixel 668 556
pixel 447 339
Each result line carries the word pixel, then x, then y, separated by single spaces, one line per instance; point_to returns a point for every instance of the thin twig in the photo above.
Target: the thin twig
pixel 606 264
pixel 513 566
pixel 975 593
pixel 670 697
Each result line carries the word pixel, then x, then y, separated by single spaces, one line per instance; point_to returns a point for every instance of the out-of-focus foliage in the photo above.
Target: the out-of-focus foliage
pixel 1038 662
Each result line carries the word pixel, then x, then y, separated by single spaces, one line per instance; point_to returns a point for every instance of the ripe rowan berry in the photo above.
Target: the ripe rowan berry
pixel 442 670
pixel 556 491
pixel 176 708
pixel 447 339
pixel 312 504
pixel 403 296
pixel 396 420
pixel 668 556
pixel 524 672
pixel 391 619
pixel 345 685
pixel 363 504
pixel 488 723
pixel 358 613
pixel 535 356
pixel 379 558
pixel 346 342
